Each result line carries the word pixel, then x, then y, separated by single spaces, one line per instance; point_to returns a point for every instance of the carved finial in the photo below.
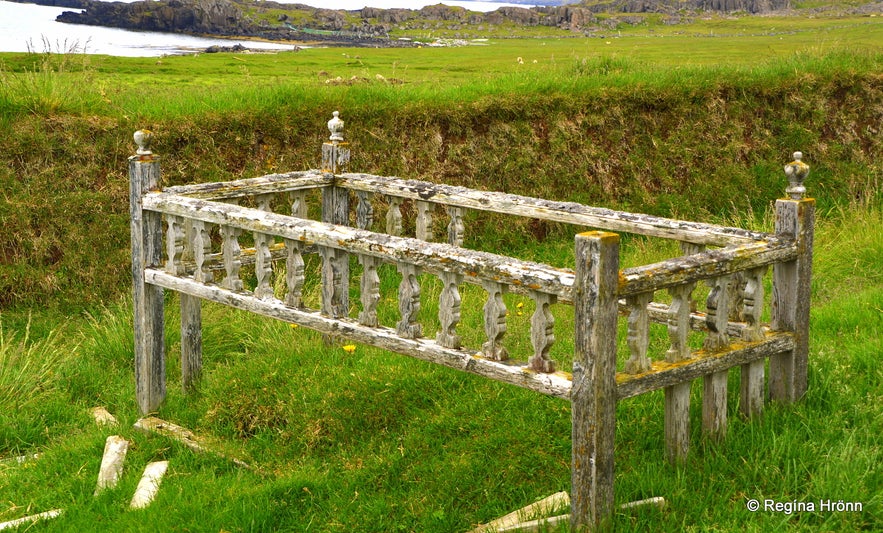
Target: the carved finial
pixel 143 139
pixel 797 171
pixel 335 126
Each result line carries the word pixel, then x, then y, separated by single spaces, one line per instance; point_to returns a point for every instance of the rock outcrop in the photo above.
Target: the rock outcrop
pixel 369 26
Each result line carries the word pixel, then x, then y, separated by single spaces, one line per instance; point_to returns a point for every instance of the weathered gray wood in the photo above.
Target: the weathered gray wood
pixel 264 201
pixel 201 244
pixel 677 423
pixel 791 299
pixel 557 384
pixel 364 211
pixel 394 216
pixel 638 336
pixel 299 207
pixel 30 519
pixel 336 262
pixel 679 322
pixel 456 228
pixel 494 322
pixel 191 341
pixel 231 255
pixel 542 332
pixel 714 405
pixel 594 379
pixel 151 424
pixel 409 302
pixel 664 374
pixel 271 183
pixel 677 396
pixel 370 290
pixel 751 391
pixel 174 244
pixel 146 240
pixel 335 156
pixel 431 257
pixel 149 484
pixel 753 304
pixel 103 417
pixel 263 266
pixel 707 265
pixel 717 307
pixel 294 273
pixel 567 212
pixel 424 221
pixel 515 521
pixel 111 469
pixel 449 311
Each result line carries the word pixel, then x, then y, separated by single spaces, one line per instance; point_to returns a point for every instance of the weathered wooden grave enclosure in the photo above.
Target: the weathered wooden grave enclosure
pixel 173 249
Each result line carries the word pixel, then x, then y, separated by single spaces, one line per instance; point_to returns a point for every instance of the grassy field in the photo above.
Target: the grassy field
pixel 692 121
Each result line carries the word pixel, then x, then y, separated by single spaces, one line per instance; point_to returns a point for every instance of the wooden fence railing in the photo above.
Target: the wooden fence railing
pixel 189 239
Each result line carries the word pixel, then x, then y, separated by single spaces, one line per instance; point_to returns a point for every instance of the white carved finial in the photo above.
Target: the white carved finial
pixel 335 126
pixel 796 171
pixel 143 139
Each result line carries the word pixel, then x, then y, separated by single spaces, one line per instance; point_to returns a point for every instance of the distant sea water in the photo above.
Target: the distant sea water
pixel 29 27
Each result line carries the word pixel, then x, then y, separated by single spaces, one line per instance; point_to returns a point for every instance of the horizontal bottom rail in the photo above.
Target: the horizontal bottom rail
pixel 663 374
pixel 557 384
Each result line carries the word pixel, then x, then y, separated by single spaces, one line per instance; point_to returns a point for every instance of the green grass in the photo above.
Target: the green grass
pixel 373 441
pixel 692 121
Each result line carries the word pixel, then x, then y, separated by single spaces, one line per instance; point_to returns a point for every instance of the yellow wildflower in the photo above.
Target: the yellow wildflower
pixel 349 348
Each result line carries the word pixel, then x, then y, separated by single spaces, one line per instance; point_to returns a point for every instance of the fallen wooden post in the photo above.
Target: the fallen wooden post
pixel 524 520
pixel 183 435
pixel 111 470
pixel 30 519
pixel 103 417
pixel 517 520
pixel 149 484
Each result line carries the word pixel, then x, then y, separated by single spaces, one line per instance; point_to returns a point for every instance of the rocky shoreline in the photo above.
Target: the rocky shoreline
pixel 269 20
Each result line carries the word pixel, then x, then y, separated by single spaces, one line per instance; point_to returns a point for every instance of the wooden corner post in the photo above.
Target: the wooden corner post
pixel 146 232
pixel 593 396
pixel 335 210
pixel 795 216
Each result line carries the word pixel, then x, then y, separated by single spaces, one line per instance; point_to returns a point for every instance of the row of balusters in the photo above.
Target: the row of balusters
pixel 736 297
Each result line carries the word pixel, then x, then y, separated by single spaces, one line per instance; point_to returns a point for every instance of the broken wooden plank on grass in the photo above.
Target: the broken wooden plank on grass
pixel 30 519
pixel 151 424
pixel 524 520
pixel 148 486
pixel 517 519
pixel 103 417
pixel 115 448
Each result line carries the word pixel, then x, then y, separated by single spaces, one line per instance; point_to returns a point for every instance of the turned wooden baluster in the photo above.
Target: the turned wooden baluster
pixel 394 216
pixel 424 221
pixel 263 266
pixel 263 202
pixel 449 311
pixel 334 299
pixel 409 302
pixel 677 397
pixel 752 380
pixel 298 201
pixel 174 244
pixel 638 336
pixel 542 332
pixel 456 228
pixel 370 290
pixel 714 393
pixel 202 247
pixel 717 314
pixel 494 322
pixel 364 210
pixel 232 256
pixel 294 273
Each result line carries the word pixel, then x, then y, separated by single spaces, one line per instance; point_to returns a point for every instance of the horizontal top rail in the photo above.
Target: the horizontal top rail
pixel 705 265
pixel 268 184
pixel 429 255
pixel 567 212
